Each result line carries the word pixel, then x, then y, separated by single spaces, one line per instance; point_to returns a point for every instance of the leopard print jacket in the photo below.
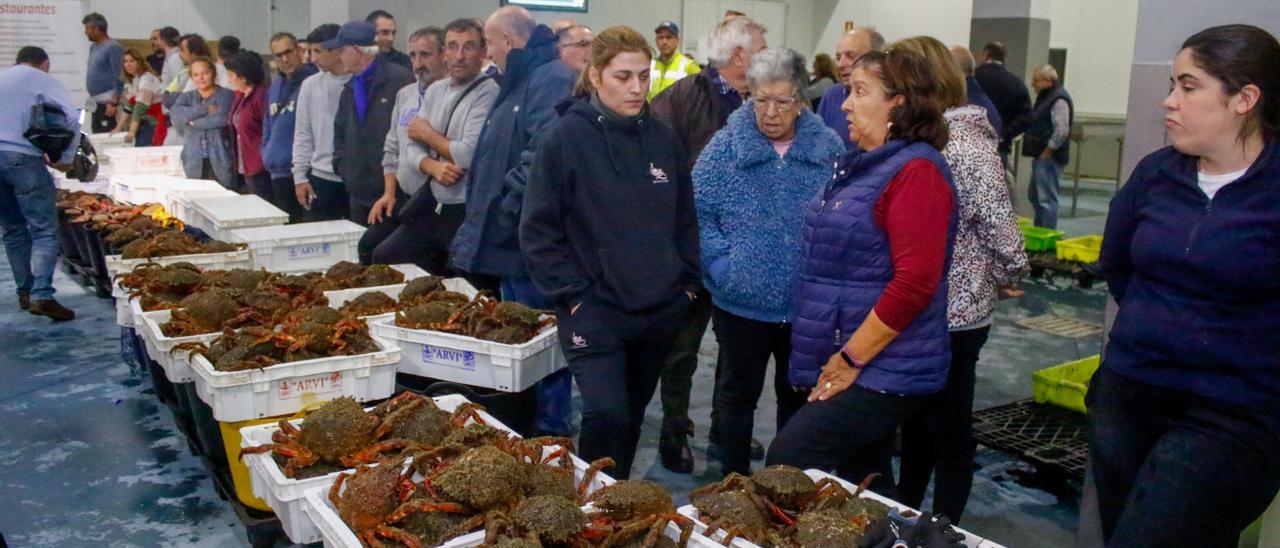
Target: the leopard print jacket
pixel 989 248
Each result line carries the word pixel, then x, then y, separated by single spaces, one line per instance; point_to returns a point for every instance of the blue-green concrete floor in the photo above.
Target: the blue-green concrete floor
pixel 91 458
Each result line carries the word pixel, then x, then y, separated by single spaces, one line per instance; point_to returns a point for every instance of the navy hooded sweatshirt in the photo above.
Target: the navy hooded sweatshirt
pixel 608 212
pixel 277 129
pixel 1197 280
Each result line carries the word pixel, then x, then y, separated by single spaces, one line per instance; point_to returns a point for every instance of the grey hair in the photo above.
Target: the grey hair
pixel 434 32
pixel 729 36
pixel 371 51
pixel 515 20
pixel 1048 72
pixel 778 65
pixel 876 39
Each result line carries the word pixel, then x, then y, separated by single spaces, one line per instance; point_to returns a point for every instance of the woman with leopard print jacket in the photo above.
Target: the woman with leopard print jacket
pixel 988 259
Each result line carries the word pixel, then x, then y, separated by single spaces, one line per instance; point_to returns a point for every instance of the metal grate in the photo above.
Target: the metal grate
pixel 1043 435
pixel 1061 326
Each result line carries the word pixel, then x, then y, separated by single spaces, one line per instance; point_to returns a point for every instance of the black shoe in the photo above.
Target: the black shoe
pixel 50 308
pixel 24 301
pixel 675 453
pixel 757 449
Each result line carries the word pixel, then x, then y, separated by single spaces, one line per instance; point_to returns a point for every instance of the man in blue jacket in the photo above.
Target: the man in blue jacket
pixel 277 129
pixel 487 244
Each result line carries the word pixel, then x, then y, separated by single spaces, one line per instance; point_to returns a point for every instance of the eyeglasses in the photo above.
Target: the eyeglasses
pixel 782 104
pixel 578 44
pixel 284 53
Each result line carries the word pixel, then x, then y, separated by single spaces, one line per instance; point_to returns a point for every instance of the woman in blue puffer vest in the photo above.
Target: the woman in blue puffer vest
pixel 870 307
pixel 751 184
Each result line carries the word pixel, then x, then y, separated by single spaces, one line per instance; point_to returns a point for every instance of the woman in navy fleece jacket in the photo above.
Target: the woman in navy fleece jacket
pixel 1185 411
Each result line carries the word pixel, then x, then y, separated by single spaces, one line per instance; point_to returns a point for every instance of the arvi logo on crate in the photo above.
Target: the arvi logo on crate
pixel 447 357
pixel 326 383
pixel 311 251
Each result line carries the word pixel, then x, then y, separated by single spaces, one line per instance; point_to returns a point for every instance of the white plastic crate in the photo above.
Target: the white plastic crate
pixel 287 388
pixel 471 361
pixel 217 217
pixel 285 495
pixel 103 141
pixel 164 160
pixel 101 185
pixel 176 365
pixel 970 540
pixel 205 261
pixel 302 246
pixel 175 201
pixel 336 534
pixel 339 297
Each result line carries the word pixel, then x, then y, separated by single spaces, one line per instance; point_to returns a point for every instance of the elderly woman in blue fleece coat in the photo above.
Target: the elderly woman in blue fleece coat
pixel 751 184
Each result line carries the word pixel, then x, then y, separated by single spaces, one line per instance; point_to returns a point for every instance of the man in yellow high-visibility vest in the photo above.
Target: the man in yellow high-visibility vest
pixel 670 65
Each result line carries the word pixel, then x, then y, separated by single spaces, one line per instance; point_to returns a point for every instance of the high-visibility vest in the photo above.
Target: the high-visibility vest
pixel 663 76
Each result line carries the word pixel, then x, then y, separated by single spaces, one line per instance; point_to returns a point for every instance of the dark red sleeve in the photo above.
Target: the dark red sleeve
pixel 914 211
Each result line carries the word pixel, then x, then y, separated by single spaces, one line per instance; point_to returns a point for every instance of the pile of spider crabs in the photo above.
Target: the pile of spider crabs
pixel 132 230
pixel 416 475
pixel 266 318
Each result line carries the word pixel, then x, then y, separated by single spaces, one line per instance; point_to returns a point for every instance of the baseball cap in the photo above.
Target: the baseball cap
pixel 352 33
pixel 669 25
pixel 323 33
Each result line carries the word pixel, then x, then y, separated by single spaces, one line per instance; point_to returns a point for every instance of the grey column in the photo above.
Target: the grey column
pixel 1021 25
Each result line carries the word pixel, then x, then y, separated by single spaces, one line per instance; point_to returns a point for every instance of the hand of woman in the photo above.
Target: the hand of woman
pixel 836 377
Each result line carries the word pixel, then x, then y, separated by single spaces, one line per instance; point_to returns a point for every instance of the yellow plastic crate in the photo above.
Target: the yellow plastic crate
pixel 1065 385
pixel 1024 221
pixel 240 472
pixel 1084 249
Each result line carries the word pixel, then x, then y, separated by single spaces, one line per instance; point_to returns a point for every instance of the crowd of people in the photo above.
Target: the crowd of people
pixel 853 225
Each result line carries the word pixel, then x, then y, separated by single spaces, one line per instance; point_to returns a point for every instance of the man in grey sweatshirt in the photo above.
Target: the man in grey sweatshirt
pixel 319 189
pixel 430 147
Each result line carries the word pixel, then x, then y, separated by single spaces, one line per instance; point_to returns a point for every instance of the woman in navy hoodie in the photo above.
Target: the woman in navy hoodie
pixel 1185 412
pixel 608 232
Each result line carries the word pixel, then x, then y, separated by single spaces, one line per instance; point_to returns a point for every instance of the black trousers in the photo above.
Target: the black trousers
pixel 678 371
pixel 378 232
pixel 940 439
pixel 616 357
pixel 100 122
pixel 838 433
pixel 331 202
pixel 423 241
pixel 259 185
pixel 1177 469
pixel 284 197
pixel 745 348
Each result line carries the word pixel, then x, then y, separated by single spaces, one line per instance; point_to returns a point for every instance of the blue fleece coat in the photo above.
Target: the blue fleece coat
pixel 751 208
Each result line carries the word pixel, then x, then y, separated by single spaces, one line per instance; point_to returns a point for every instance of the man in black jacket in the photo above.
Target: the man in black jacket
pixel 364 116
pixel 385 31
pixel 697 107
pixel 1008 92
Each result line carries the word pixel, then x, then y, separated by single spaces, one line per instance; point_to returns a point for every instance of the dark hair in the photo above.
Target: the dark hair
pixel 283 36
pixel 434 32
pixel 323 33
pixel 1240 55
pixel 994 51
pixel 31 55
pixel 909 74
pixel 375 15
pixel 248 65
pixel 465 25
pixel 824 67
pixel 196 45
pixel 228 46
pixel 169 36
pixel 95 20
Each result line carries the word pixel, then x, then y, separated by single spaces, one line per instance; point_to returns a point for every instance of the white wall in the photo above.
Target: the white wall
pixel 1099 38
pixel 946 20
pixel 252 21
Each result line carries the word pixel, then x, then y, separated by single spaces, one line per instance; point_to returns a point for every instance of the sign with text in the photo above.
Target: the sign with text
pixel 448 357
pixel 554 5
pixel 51 25
pixel 313 386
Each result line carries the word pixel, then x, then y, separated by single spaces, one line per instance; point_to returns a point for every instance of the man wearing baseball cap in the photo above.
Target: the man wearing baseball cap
pixel 670 65
pixel 364 115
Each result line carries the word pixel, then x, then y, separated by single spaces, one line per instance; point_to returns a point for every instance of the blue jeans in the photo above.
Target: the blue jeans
pixel 555 392
pixel 30 222
pixel 1044 192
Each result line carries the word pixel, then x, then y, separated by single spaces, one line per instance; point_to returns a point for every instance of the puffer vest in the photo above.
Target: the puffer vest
pixel 845 267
